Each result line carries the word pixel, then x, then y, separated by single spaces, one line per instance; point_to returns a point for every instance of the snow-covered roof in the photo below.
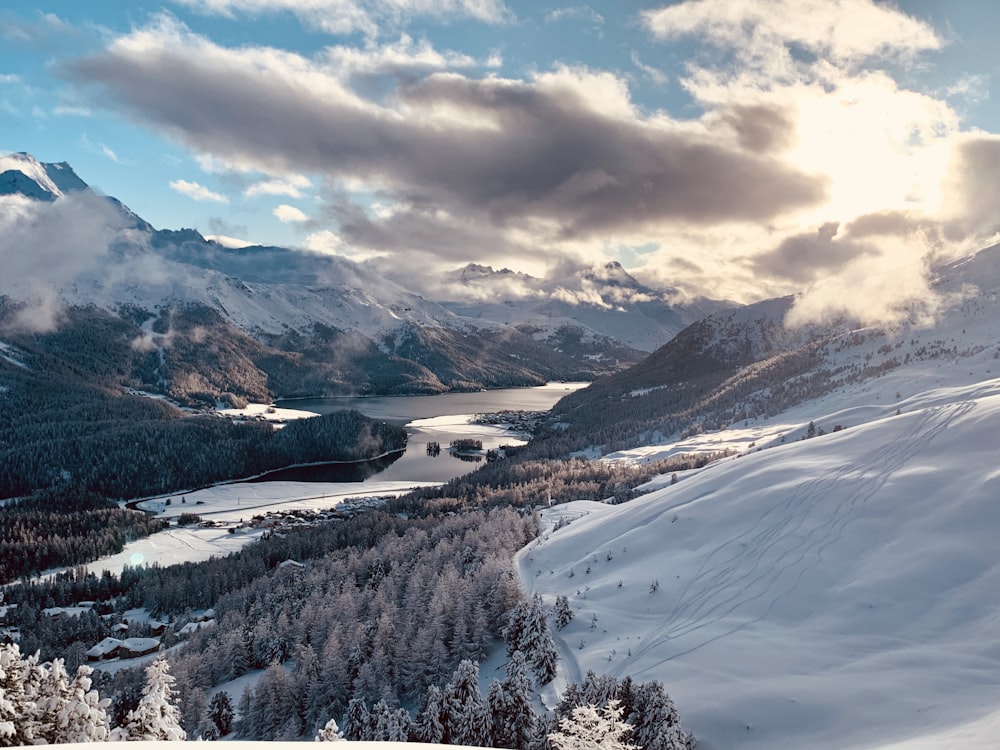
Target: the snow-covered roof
pixel 141 644
pixel 193 627
pixel 105 647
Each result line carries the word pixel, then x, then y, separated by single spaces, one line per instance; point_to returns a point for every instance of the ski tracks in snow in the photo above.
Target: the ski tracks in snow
pixel 741 580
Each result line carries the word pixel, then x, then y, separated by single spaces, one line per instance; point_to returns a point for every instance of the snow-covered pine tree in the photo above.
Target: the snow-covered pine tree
pixel 513 631
pixel 537 644
pixel 220 711
pixel 589 729
pixel 429 726
pixel 330 732
pixel 83 715
pixel 510 706
pixel 563 612
pixel 357 721
pixel 466 716
pixel 156 717
pixel 656 723
pixel 20 685
pixel 248 725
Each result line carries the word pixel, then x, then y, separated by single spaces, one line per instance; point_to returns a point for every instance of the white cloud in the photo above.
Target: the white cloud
pixel 196 191
pixel 575 13
pixel 234 243
pixel 109 153
pixel 656 75
pixel 329 242
pixel 68 110
pixel 291 186
pixel 842 30
pixel 289 214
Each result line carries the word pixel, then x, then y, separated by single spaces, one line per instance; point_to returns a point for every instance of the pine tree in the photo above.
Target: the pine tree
pixel 330 732
pixel 563 613
pixel 510 706
pixel 83 716
pixel 656 723
pixel 156 717
pixel 220 711
pixel 466 717
pixel 428 726
pixel 20 687
pixel 590 729
pixel 356 725
pixel 249 722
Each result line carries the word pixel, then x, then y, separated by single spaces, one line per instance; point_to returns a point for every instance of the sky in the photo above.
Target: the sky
pixel 733 149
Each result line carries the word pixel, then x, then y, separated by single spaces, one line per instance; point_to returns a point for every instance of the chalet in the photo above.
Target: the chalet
pixel 291 565
pixel 106 649
pixel 135 647
pixel 119 629
pixel 195 626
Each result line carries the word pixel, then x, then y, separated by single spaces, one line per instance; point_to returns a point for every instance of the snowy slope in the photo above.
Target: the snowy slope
pixel 838 592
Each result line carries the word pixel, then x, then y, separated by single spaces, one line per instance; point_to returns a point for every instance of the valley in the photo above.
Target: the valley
pixel 776 535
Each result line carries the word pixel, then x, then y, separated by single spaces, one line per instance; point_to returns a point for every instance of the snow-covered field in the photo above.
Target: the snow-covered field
pixel 837 592
pixel 227 505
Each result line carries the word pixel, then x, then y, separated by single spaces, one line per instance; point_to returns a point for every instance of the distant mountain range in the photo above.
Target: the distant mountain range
pixel 263 322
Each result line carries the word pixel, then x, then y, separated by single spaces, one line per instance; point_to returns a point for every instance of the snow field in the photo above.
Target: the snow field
pixel 837 592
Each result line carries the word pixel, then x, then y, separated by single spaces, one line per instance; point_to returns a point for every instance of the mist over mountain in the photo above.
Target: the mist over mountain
pixel 605 299
pixel 302 323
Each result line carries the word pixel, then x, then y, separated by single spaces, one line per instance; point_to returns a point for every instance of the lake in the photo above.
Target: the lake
pixel 441 419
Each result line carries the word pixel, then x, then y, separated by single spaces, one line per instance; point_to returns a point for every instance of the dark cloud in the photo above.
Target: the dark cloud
pixel 973 187
pixel 758 127
pixel 513 151
pixel 883 223
pixel 805 257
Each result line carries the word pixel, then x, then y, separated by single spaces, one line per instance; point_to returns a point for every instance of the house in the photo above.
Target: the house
pixel 106 649
pixel 208 614
pixel 156 627
pixel 195 626
pixel 133 647
pixel 120 629
pixel 291 564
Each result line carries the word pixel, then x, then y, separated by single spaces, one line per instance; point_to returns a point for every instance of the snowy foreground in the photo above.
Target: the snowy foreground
pixel 837 592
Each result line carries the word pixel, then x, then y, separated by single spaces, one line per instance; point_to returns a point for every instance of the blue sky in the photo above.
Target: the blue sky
pixel 732 148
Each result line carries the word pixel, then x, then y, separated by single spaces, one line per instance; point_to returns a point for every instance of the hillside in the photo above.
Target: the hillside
pixel 836 592
pixel 743 364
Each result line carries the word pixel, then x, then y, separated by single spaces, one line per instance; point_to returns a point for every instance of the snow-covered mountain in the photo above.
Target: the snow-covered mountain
pixel 837 592
pixel 832 583
pixel 303 321
pixel 744 363
pixel 604 299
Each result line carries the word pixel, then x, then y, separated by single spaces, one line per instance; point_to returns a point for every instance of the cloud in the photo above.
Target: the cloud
pixel 289 214
pixel 838 30
pixel 292 187
pixel 575 13
pixel 566 149
pixel 805 257
pixel 45 245
pixel 366 16
pixel 656 75
pixel 196 191
pixel 800 164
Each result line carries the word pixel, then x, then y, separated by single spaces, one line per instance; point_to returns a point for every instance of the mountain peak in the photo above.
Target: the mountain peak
pixel 43 181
